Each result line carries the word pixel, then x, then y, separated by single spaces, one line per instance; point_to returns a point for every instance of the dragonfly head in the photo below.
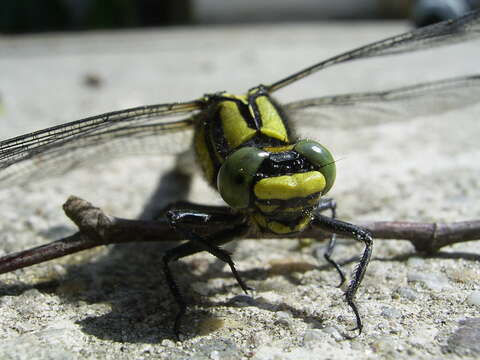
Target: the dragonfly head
pixel 279 186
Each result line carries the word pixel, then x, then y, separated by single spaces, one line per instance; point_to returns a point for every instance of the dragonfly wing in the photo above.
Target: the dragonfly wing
pixel 154 129
pixel 447 32
pixel 361 109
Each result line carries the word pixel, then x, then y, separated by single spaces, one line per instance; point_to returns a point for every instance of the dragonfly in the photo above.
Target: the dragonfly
pixel 272 181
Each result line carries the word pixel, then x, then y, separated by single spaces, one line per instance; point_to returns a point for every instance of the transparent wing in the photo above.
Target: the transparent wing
pixel 361 109
pixel 446 32
pixel 158 129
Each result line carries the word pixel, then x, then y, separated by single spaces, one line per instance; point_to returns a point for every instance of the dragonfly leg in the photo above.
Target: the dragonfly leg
pixel 219 253
pixel 195 223
pixel 175 254
pixel 359 234
pixel 172 255
pixel 330 204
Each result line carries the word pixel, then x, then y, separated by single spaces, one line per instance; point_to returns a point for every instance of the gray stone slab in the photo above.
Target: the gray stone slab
pixel 113 303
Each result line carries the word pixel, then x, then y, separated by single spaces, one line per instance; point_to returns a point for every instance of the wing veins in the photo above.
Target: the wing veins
pixel 444 33
pixel 402 103
pixel 26 146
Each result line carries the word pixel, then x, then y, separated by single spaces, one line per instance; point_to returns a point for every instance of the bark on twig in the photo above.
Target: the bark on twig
pixel 96 229
pixel 426 237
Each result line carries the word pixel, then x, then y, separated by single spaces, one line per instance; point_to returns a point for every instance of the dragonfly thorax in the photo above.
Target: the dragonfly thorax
pixel 231 122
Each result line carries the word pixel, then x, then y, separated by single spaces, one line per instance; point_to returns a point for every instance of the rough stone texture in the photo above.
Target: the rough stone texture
pixel 466 339
pixel 112 302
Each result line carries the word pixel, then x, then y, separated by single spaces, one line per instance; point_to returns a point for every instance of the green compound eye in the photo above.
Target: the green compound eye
pixel 234 180
pixel 319 156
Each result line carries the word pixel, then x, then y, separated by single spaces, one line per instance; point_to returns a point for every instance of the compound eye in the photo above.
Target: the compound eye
pixel 235 178
pixel 321 158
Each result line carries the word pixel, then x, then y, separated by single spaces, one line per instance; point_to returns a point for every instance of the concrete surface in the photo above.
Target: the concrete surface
pixel 112 303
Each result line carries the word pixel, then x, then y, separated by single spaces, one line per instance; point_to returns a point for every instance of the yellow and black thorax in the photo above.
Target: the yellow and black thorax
pixel 248 152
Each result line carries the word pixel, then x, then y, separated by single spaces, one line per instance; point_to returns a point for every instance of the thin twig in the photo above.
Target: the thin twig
pixel 96 229
pixel 426 237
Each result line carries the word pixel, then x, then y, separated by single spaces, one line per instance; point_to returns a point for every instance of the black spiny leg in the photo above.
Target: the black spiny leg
pixel 359 234
pixel 192 223
pixel 207 227
pixel 216 251
pixel 330 204
pixel 171 255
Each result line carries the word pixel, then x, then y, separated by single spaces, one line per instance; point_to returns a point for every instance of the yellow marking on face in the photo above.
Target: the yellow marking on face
pixel 303 223
pixel 277 149
pixel 260 220
pixel 290 186
pixel 272 123
pixel 279 228
pixel 267 208
pixel 235 128
pixel 293 209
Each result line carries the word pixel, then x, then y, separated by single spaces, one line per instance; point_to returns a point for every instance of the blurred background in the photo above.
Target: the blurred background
pixel 21 16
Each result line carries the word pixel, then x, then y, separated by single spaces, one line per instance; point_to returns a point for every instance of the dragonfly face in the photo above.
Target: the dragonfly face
pixel 288 186
pixel 248 151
